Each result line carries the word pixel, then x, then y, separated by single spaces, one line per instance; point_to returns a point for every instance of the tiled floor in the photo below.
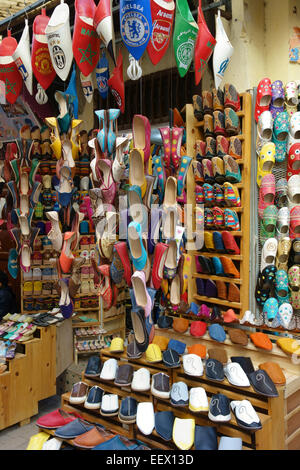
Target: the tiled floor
pixel 17 437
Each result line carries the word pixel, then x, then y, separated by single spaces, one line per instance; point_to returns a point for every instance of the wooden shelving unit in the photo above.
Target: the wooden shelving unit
pixel 194 131
pixel 267 408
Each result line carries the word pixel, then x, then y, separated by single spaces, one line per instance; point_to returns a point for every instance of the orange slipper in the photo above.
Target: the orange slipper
pixel 274 371
pixel 161 341
pixel 222 290
pixel 229 316
pixel 181 325
pixel 229 267
pixel 198 349
pixel 261 340
pixel 233 293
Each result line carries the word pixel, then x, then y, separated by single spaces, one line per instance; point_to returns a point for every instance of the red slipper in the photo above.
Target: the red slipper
pixel 295 222
pixel 230 243
pixel 293 165
pixel 263 97
pixel 121 248
pixel 116 83
pixel 160 253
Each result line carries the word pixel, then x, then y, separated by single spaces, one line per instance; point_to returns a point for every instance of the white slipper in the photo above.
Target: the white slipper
pixel 87 87
pixel 268 254
pixel 22 58
pixel 55 234
pixel 184 433
pixel 222 53
pixel 285 314
pixel 235 375
pixel 245 415
pixel 59 40
pixel 145 417
pixel 52 444
pixel 294 189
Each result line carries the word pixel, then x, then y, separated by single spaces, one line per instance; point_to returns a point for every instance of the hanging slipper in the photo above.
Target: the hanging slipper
pixel 285 314
pixel 22 58
pixel 208 125
pixel 266 161
pixel 264 130
pixel 280 135
pixel 277 101
pixel 116 82
pixel 294 278
pixel 177 136
pixel 232 122
pixel 208 171
pixel 9 73
pixel 211 147
pixel 295 222
pixel 204 46
pixel 200 148
pixel 283 251
pixel 282 286
pixel 294 190
pixel 268 254
pixel 263 97
pixel 270 308
pixel 219 123
pixel 281 189
pixel 283 223
pixel 207 98
pixel 293 165
pixel 222 53
pixel 268 223
pixel 295 300
pixel 198 107
pixel 184 37
pixel 266 193
pixel 291 94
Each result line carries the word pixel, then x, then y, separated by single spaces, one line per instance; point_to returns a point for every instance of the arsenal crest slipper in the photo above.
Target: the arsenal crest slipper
pixel 86 42
pixel 162 13
pixel 22 58
pixel 40 56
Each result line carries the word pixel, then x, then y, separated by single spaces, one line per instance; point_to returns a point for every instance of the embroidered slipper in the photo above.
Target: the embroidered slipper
pixel 294 278
pixel 208 194
pixel 230 243
pixel 277 102
pixel 283 251
pixel 283 223
pixel 291 93
pixel 268 254
pixel 294 189
pixel 281 190
pixel 295 300
pixel 280 135
pixel 219 123
pixel 232 122
pixel 232 169
pixel 264 130
pixel 208 171
pixel 222 146
pixel 218 194
pixel 295 222
pixel 200 195
pixel 211 147
pixel 207 98
pixel 265 284
pixel 285 313
pixel 218 169
pixel 200 148
pixel 208 125
pixel 295 254
pixel 198 107
pixel 266 193
pixel 235 147
pixel 219 242
pixel 281 284
pixel 266 161
pixel 231 220
pixel 198 171
pixel 218 215
pixel 268 223
pixel 231 195
pixel 218 99
pixel 293 165
pixel 231 97
pixel 270 308
pixel 263 97
pixel 161 177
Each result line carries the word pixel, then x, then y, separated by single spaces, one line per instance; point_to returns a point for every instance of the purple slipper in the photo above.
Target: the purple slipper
pixel 200 286
pixel 211 289
pixel 277 102
pixel 204 311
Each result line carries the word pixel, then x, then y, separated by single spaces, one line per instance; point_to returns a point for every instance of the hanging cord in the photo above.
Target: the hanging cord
pixel 141 95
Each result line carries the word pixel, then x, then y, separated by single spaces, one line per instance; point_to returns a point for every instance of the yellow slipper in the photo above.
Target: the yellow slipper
pixel 37 441
pixel 209 241
pixel 186 271
pixel 289 345
pixel 55 137
pixel 73 138
pixel 266 161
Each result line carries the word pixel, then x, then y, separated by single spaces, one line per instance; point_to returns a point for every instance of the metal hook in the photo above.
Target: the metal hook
pixel 8 27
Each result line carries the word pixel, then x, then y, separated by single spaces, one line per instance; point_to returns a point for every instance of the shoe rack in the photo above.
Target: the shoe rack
pixel 194 131
pixel 265 407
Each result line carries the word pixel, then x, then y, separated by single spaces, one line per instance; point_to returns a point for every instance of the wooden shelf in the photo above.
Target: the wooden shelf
pixel 218 278
pixel 210 254
pixel 213 300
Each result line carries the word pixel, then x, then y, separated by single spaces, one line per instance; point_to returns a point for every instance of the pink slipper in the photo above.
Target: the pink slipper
pixel 266 193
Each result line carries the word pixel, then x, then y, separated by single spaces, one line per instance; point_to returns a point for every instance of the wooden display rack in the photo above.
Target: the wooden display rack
pixel 29 378
pixel 194 131
pixel 268 409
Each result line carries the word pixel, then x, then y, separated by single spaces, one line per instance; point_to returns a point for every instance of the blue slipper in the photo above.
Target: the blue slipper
pixel 218 266
pixel 71 91
pixel 12 263
pixel 270 308
pixel 217 332
pixel 183 169
pixel 218 242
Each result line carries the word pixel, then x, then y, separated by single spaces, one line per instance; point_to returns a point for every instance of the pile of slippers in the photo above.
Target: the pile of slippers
pixel 278 148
